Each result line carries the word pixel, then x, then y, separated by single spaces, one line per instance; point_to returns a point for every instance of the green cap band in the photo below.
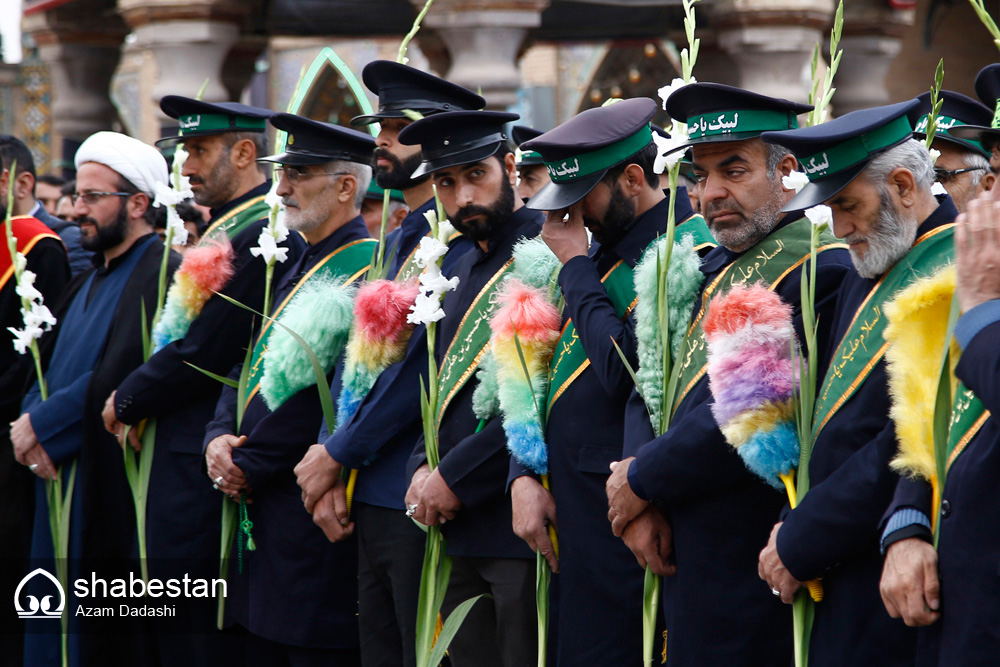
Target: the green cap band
pixel 855 150
pixel 739 122
pixel 567 171
pixel 528 155
pixel 219 122
pixel 996 116
pixel 945 123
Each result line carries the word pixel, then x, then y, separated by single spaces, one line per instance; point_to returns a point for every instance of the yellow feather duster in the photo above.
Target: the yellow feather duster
pixel 918 322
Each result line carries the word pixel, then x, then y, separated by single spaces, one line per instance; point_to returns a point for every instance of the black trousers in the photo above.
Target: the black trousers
pixel 498 632
pixel 390 557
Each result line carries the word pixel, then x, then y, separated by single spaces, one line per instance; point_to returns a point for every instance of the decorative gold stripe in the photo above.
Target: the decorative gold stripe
pixel 862 376
pixel 967 437
pixel 25 250
pixel 231 214
pixel 586 362
pixel 475 362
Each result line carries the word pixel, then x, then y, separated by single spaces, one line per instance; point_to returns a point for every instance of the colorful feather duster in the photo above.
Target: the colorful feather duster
pixel 918 323
pixel 526 319
pixel 753 378
pixel 205 270
pixel 378 339
pixel 321 314
pixel 683 282
pixel 535 266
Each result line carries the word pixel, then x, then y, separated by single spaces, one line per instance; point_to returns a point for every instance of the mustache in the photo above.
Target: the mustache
pixel 470 211
pixel 725 206
pixel 85 220
pixel 384 154
pixel 196 179
pixel 288 201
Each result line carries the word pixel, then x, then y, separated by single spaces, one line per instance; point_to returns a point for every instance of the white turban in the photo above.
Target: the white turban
pixel 140 163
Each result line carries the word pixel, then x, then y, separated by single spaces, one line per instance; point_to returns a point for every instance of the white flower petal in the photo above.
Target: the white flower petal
pixel 938 189
pixel 820 216
pixel 795 181
pixel 445 230
pixel 425 309
pixel 666 91
pixel 935 154
pixel 429 252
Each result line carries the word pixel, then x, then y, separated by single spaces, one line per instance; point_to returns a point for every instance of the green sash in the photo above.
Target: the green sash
pixel 235 221
pixel 968 414
pixel 470 343
pixel 570 359
pixel 409 268
pixel 350 261
pixel 771 261
pixel 853 360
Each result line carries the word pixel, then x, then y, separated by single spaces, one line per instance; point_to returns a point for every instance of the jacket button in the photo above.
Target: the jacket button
pixel 945 509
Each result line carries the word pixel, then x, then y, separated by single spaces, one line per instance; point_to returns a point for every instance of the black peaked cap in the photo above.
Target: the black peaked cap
pixel 401 87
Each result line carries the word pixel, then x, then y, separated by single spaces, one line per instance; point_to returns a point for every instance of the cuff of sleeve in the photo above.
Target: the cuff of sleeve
pixel 634 483
pixel 339 450
pixel 904 523
pixel 977 319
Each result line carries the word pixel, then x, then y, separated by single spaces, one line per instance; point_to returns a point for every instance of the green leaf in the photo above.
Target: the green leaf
pixel 229 520
pixel 650 606
pixel 243 388
pixel 527 374
pixel 543 577
pixel 943 408
pixel 224 380
pixel 451 626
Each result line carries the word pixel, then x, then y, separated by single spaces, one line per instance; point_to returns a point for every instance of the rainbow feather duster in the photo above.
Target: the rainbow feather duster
pixel 534 266
pixel 378 339
pixel 321 313
pixel 683 282
pixel 205 270
pixel 527 318
pixel 753 378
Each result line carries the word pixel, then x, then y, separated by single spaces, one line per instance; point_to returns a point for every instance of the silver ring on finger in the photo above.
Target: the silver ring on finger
pixel 215 486
pixel 33 467
pixel 776 592
pixel 411 510
pixel 218 481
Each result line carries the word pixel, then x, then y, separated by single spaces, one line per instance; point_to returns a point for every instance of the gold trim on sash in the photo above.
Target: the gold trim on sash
pixel 25 250
pixel 467 373
pixel 233 213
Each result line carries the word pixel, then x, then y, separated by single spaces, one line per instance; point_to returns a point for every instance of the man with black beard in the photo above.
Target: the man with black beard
pixel 474 173
pixel 877 180
pixel 707 505
pixel 401 88
pixel 615 194
pixel 378 439
pixel 222 143
pixel 97 341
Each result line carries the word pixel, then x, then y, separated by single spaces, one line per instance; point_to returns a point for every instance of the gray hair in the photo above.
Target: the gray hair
pixel 362 173
pixel 774 155
pixel 910 155
pixel 259 140
pixel 982 165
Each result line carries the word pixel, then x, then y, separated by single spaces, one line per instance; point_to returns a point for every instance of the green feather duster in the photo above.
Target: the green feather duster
pixel 321 313
pixel 683 282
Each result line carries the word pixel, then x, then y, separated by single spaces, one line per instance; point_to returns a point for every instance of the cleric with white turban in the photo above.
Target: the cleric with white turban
pixel 97 343
pixel 140 163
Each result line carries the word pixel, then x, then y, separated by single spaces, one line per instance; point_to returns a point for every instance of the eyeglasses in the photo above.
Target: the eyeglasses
pixel 296 174
pixel 90 198
pixel 943 176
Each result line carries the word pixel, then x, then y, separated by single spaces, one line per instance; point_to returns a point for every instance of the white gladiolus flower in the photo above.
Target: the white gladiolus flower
pixel 429 252
pixel 167 196
pixel 425 310
pixel 26 287
pixel 938 189
pixel 820 216
pixel 280 231
pixel 666 91
pixel 268 249
pixel 432 217
pixel 20 263
pixel 436 284
pixel 935 154
pixel 271 198
pixel 795 181
pixel 23 339
pixel 445 231
pixel 179 233
pixel 38 316
pixel 672 153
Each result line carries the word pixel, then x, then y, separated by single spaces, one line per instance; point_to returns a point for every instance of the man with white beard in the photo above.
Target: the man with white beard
pixel 877 181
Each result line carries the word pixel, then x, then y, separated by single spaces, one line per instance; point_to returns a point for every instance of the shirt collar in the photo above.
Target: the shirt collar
pixel 261 189
pixel 945 213
pixel 98 257
pixel 720 256
pixel 353 230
